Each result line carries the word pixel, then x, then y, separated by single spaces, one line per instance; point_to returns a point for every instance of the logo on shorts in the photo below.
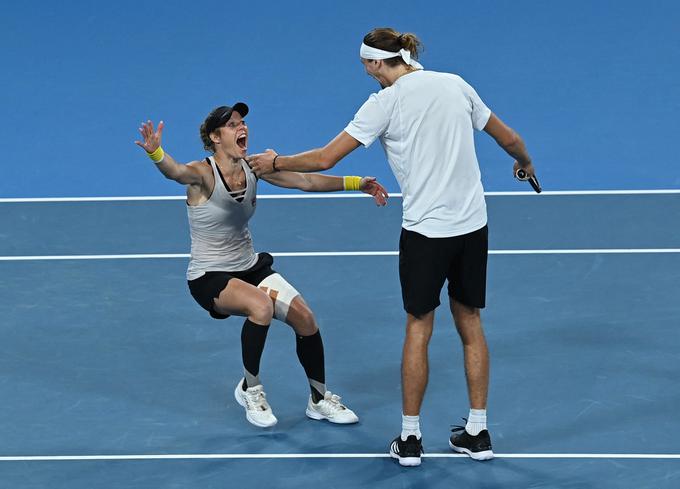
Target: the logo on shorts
pixel 254 201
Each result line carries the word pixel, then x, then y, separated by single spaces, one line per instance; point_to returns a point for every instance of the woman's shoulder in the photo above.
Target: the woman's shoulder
pixel 201 165
pixel 204 168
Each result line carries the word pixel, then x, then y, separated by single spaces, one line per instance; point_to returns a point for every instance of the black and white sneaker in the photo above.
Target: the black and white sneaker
pixel 407 452
pixel 477 447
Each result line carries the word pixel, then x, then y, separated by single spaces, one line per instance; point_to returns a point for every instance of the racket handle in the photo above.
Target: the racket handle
pixel 533 181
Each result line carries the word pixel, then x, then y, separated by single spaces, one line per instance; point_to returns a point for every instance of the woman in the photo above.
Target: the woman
pixel 225 275
pixel 425 122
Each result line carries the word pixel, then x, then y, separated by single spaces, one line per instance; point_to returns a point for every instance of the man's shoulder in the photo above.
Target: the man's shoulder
pixel 443 75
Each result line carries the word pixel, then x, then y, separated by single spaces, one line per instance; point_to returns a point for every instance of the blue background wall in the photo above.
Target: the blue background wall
pixel 593 87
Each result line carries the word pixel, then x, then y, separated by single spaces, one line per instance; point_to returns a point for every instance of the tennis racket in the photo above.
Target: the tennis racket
pixel 523 176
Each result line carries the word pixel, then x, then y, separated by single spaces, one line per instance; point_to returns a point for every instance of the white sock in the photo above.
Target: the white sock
pixel 410 425
pixel 476 421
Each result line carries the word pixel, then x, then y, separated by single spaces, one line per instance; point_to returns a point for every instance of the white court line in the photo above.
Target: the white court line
pixel 242 456
pixel 585 251
pixel 334 196
pixel 161 256
pixel 94 257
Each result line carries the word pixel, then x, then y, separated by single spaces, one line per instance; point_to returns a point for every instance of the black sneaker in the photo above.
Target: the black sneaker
pixel 477 447
pixel 408 452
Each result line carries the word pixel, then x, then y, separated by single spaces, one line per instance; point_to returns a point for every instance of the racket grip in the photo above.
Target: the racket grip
pixel 533 181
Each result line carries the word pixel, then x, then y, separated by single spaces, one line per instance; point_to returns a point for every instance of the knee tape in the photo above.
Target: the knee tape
pixel 285 293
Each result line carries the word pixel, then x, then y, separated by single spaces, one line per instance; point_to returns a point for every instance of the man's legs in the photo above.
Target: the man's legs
pixel 469 325
pixel 474 440
pixel 407 447
pixel 414 364
pixel 422 273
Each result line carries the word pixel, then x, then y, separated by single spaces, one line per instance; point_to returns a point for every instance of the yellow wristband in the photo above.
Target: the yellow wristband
pixel 351 182
pixel 157 156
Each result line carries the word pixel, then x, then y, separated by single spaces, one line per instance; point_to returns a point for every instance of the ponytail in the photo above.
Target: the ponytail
pixel 388 39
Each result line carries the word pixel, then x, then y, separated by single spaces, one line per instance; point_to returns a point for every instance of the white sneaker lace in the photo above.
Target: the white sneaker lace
pixel 331 403
pixel 257 399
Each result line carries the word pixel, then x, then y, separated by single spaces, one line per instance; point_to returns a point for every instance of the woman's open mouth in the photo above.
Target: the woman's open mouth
pixel 242 141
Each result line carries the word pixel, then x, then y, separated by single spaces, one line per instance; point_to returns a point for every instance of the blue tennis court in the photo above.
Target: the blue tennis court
pixel 112 376
pixel 107 359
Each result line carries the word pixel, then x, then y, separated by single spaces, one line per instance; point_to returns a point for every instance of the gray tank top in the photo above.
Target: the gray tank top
pixel 220 239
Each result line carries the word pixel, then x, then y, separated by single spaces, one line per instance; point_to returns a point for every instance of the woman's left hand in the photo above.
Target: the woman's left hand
pixel 369 185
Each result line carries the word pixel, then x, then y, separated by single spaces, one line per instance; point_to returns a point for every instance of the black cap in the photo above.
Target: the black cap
pixel 221 115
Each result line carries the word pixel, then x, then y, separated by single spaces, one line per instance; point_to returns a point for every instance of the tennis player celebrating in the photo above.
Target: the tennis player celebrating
pixel 225 275
pixel 425 122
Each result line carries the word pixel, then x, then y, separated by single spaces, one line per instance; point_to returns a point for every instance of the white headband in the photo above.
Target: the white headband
pixel 367 52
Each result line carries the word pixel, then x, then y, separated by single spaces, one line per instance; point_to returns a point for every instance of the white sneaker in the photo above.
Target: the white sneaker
pixel 332 409
pixel 254 400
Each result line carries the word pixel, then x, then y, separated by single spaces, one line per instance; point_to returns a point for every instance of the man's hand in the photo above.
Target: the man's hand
pixel 527 173
pixel 369 185
pixel 262 163
pixel 152 140
pixel 528 169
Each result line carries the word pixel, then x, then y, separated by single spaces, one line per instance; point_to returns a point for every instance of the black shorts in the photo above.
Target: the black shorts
pixel 206 288
pixel 425 263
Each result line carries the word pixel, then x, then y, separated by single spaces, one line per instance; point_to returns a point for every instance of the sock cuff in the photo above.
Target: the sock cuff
pixel 410 425
pixel 476 421
pixel 248 322
pixel 312 337
pixel 477 416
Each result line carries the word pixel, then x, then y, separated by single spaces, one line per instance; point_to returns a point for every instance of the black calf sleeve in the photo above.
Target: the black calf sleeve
pixel 310 353
pixel 253 337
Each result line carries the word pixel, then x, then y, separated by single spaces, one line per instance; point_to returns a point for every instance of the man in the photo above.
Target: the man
pixel 425 122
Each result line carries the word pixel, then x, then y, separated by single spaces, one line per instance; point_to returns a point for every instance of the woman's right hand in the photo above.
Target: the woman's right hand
pixel 370 186
pixel 152 139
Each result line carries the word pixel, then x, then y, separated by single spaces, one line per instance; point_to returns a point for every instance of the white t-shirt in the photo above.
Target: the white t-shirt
pixel 425 123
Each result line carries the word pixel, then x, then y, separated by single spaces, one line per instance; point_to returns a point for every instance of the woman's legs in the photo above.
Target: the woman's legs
pixel 242 299
pixel 291 308
pixel 309 345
